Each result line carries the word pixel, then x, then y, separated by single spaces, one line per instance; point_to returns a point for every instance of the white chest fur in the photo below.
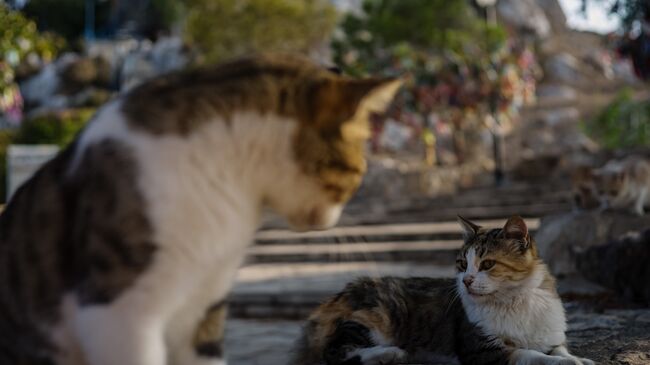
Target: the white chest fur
pixel 532 320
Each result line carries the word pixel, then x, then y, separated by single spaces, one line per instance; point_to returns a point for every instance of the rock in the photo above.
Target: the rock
pixel 564 68
pixel 554 14
pixel 78 74
pixel 621 265
pixel 524 15
pixel 395 135
pixel 104 72
pixel 577 287
pixel 550 95
pixel 30 66
pixel 41 90
pixel 169 54
pixel 38 90
pixel 113 52
pixel 536 167
pixel 135 70
pixel 150 60
pixel 556 116
pixel 89 97
pixel 560 237
pixel 86 71
pixel 614 337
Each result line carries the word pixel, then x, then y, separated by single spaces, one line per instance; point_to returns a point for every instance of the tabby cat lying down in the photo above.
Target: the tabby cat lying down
pixel 503 308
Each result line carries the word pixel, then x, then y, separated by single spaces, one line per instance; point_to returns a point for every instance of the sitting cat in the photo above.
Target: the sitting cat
pixel 502 308
pixel 121 250
pixel 625 184
pixel 619 184
pixel 585 191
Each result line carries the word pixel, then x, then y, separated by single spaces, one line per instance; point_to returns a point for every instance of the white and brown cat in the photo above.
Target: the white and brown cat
pixel 620 184
pixel 121 250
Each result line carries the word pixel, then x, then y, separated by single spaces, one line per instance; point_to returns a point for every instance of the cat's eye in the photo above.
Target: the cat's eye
pixel 487 264
pixel 461 265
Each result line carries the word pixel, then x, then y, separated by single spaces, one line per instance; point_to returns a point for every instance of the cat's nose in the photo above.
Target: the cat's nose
pixel 468 280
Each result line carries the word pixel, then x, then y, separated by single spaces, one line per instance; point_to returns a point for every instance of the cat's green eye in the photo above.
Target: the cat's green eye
pixel 487 264
pixel 461 265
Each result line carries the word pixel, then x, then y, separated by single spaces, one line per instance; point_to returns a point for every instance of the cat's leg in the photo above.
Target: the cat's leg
pixel 564 352
pixel 109 336
pixel 640 201
pixel 377 355
pixel 352 344
pixel 532 357
pixel 199 340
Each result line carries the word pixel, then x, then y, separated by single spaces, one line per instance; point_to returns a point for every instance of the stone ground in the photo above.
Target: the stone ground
pixel 256 342
pixel 608 336
pixel 289 274
pixel 619 337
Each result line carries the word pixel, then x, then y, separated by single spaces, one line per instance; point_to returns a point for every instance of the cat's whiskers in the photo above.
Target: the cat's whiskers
pixel 455 296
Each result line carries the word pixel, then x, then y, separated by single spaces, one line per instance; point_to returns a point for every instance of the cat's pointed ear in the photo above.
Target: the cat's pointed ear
pixel 469 229
pixel 345 103
pixel 374 95
pixel 516 228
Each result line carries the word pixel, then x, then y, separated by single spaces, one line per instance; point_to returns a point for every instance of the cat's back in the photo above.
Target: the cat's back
pixel 422 316
pixel 180 102
pixel 368 292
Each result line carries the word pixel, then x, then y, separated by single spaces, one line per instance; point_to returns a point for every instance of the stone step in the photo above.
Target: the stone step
pixel 508 191
pixel 378 233
pixel 291 291
pixel 356 215
pixel 421 251
pixel 445 214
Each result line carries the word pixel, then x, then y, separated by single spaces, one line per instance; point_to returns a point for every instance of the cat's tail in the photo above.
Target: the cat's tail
pixel 307 349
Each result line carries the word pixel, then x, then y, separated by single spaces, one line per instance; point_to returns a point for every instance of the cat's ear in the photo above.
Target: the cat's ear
pixel 515 228
pixel 374 95
pixel 346 103
pixel 469 229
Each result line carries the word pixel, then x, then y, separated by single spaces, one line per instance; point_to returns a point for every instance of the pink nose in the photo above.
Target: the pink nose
pixel 468 280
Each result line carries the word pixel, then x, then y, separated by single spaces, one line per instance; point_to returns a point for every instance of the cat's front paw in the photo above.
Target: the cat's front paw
pixel 586 361
pixel 576 361
pixel 562 361
pixel 381 355
pixel 547 360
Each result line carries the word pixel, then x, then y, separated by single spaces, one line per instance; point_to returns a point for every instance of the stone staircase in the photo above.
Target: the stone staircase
pixel 287 274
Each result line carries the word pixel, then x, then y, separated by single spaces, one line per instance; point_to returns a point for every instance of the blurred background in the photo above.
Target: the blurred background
pixel 514 107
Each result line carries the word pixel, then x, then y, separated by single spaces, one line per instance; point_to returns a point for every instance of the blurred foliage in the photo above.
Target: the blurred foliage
pixel 21 46
pixel 624 123
pixel 167 12
pixel 58 128
pixel 20 38
pixel 6 138
pixel 395 28
pixel 222 29
pixel 65 17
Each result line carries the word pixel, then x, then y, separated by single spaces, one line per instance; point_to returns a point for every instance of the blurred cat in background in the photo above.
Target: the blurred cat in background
pixel 620 184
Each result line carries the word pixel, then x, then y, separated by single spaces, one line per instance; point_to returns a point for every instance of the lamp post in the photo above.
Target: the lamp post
pixel 497 138
pixel 89 31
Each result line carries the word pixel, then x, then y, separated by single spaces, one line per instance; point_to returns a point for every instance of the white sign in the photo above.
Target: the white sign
pixel 23 161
